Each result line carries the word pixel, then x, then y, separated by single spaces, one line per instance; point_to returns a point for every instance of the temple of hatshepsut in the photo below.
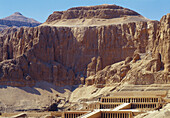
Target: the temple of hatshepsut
pixel 121 106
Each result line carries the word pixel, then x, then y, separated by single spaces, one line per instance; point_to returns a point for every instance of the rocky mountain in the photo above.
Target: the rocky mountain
pixel 73 52
pixel 93 16
pixel 102 12
pixel 17 20
pixel 99 46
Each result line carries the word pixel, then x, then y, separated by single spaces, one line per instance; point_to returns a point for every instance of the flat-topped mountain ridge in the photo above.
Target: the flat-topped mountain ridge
pixel 101 11
pixel 93 15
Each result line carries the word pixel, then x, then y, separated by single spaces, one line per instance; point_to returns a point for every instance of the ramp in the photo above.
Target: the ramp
pixel 94 114
pixel 21 115
pixel 122 106
pixel 97 113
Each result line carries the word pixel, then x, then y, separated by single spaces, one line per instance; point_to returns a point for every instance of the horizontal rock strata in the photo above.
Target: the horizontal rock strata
pixel 63 55
pixel 100 11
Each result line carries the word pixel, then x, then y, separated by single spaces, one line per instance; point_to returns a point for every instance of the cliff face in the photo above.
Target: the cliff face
pixel 149 66
pixel 50 53
pixel 62 55
pixel 162 42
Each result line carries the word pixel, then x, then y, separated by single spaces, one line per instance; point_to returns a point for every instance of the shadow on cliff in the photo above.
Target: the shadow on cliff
pixel 57 39
pixel 3 86
pixel 45 86
pixel 31 90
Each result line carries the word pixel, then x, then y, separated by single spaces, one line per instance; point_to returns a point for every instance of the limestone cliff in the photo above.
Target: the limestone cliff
pixel 162 42
pixel 62 55
pixel 147 66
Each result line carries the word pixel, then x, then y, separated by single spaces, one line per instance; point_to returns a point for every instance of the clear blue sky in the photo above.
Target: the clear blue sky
pixel 41 9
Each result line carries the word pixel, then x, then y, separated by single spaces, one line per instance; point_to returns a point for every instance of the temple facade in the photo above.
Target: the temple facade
pixel 118 107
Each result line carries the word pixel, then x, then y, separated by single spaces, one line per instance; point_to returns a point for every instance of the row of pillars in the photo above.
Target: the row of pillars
pixel 108 106
pixel 144 106
pixel 93 106
pixel 72 115
pixel 115 115
pixel 129 100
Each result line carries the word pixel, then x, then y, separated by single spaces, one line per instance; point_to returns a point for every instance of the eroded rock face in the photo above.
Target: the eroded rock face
pixel 162 42
pixel 150 65
pixel 148 70
pixel 52 52
pixel 94 66
pixel 100 11
pixel 63 55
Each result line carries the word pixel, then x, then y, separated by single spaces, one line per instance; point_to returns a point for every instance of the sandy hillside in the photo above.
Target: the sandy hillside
pixel 38 97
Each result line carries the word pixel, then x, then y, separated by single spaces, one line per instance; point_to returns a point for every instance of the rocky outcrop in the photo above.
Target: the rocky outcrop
pixel 149 65
pixel 100 11
pixel 155 65
pixel 148 70
pixel 162 42
pixel 2 27
pixel 8 31
pixel 94 66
